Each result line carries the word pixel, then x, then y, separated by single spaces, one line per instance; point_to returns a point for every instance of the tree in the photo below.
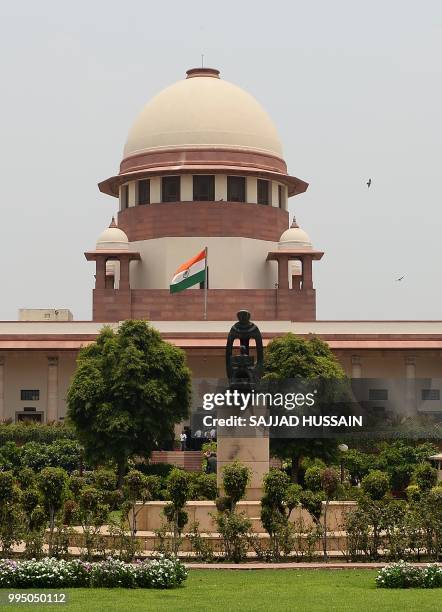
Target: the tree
pixel 53 485
pixel 279 499
pixel 129 390
pixel 289 357
pixel 329 481
pixel 177 490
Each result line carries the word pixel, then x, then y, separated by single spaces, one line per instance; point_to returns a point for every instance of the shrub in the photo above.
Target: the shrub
pixel 235 530
pixel 155 469
pixel 202 548
pixel 376 484
pixel 424 476
pixel 235 480
pixel 312 478
pixel 402 575
pixel 161 573
pixel 52 573
pixel 202 486
pixel 112 573
pixel 21 433
pixel 178 493
pixel 399 575
pixel 432 576
pixel 280 498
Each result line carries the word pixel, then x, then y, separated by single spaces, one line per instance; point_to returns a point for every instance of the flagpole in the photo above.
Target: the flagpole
pixel 206 282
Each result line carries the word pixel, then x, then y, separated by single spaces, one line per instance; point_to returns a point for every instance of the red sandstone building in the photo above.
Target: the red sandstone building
pixel 203 166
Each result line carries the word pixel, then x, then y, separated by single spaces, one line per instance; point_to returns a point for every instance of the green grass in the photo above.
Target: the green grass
pixel 266 590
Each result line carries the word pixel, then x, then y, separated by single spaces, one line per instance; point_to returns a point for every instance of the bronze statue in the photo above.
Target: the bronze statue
pixel 241 369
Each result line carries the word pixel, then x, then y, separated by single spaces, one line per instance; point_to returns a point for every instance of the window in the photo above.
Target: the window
pixel 280 196
pixel 430 394
pixel 124 197
pixel 263 192
pixel 29 417
pixel 378 395
pixel 236 189
pixel 203 188
pixel 144 191
pixel 30 395
pixel 170 189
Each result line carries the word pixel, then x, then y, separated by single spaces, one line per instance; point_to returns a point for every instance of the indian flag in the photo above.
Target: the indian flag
pixel 190 273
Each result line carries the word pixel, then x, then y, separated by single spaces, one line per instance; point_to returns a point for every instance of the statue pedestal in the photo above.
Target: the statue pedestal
pixel 252 452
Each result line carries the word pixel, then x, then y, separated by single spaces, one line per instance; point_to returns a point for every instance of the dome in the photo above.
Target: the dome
pixel 294 238
pixel 203 111
pixel 113 239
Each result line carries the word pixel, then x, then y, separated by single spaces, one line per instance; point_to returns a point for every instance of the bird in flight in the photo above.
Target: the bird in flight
pixel 369 183
pixel 399 279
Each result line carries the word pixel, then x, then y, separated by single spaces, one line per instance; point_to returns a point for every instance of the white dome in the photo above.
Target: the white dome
pixel 294 238
pixel 113 239
pixel 200 111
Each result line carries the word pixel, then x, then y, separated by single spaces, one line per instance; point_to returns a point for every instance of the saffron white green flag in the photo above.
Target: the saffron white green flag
pixel 190 273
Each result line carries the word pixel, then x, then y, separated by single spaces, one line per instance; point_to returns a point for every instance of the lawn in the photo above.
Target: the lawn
pixel 274 590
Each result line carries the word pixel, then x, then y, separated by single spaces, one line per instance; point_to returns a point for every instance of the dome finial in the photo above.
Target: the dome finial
pixel 112 223
pixel 202 72
pixel 294 224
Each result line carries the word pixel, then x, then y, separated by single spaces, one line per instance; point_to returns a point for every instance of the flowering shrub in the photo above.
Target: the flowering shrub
pixel 47 573
pixel 402 575
pixel 112 573
pixel 50 573
pixel 161 573
pixel 432 576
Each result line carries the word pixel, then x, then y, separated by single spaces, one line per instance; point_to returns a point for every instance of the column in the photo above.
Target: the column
pixel 132 194
pixel 410 385
pixel 220 187
pixel 187 188
pixel 356 366
pixel 283 271
pixel 251 190
pixel 307 278
pixel 100 274
pixel 52 405
pixel 124 273
pixel 155 190
pixel 274 200
pixel 2 389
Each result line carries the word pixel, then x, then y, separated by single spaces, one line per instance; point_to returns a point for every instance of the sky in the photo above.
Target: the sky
pixel 354 88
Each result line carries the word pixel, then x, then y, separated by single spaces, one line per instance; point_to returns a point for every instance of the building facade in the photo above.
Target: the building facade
pixel 203 167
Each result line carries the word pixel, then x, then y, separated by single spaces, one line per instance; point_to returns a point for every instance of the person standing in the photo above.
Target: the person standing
pixel 183 439
pixel 211 464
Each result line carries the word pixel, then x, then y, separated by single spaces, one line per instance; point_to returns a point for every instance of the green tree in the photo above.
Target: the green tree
pixel 178 493
pixel 279 499
pixel 289 357
pixel 53 486
pixel 129 390
pixel 329 482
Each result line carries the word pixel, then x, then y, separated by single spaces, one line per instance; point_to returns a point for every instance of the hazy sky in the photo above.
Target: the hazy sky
pixel 353 87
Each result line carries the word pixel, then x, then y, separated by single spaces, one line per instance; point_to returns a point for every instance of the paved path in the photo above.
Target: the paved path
pixel 297 566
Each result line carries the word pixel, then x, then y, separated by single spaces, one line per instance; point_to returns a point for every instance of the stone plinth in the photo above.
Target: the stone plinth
pixel 151 517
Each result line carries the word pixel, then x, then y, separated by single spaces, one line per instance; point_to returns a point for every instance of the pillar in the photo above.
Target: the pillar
pixel 283 272
pixel 251 190
pixel 2 389
pixel 307 276
pixel 410 384
pixel 124 273
pixel 356 366
pixel 100 275
pixel 52 402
